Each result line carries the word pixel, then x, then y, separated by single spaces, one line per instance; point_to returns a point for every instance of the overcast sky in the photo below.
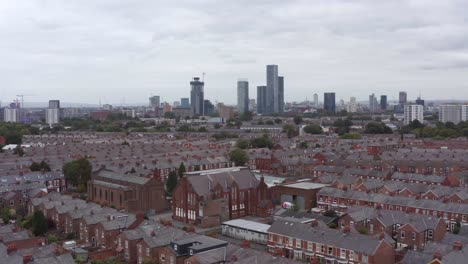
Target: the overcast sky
pixel 126 50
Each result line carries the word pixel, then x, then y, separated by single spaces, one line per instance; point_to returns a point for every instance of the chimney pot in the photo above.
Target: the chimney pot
pixel 314 223
pixel 347 229
pixel 437 255
pixel 457 245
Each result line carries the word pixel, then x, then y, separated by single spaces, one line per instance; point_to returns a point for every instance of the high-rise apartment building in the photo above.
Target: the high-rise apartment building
pixel 402 98
pixel 450 113
pixel 352 105
pixel 208 107
pixel 316 100
pixel 184 102
pixel 372 103
pixel 52 114
pixel 155 101
pixel 280 94
pixel 242 96
pixel 261 99
pixel 464 115
pixel 272 105
pixel 420 101
pixel 413 112
pixel 383 102
pixel 329 103
pixel 197 96
pixel 11 114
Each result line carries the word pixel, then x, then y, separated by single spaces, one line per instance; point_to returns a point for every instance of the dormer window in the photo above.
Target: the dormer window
pixel 175 247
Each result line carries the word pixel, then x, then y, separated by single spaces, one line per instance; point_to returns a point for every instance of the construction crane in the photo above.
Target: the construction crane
pixel 22 98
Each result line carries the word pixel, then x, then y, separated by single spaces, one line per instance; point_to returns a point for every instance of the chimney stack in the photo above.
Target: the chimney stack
pixel 314 223
pixel 437 255
pixel 457 245
pixel 11 248
pixel 27 258
pixel 347 229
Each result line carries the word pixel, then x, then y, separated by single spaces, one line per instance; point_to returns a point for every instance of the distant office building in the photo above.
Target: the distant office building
pixel 402 98
pixel 252 105
pixel 54 104
pixel 209 107
pixel 329 103
pixel 272 89
pixel 242 96
pixel 107 107
pixel 316 100
pixel 11 114
pixel 129 112
pixel 383 102
pixel 197 96
pixel 155 101
pixel 450 113
pixel 176 104
pixel 413 112
pixel 224 111
pixel 420 101
pixel 281 94
pixel 261 99
pixel 372 103
pixel 464 115
pixel 52 114
pixel 352 106
pixel 182 112
pixel 75 112
pixel 184 102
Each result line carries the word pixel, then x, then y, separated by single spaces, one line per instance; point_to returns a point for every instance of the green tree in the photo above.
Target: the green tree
pixel 171 182
pixel 278 121
pixel 19 151
pixel 351 136
pixel 44 166
pixel 456 228
pixel 303 145
pixel 262 142
pixel 169 115
pixel 202 129
pixel 181 170
pixel 290 130
pixel 35 166
pixel 246 116
pixel 313 129
pixel 377 128
pixel 297 120
pixel 239 157
pixel 243 143
pixel 5 214
pixel 78 171
pixel 39 223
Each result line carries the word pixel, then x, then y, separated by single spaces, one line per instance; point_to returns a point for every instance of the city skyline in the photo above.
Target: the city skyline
pixel 126 52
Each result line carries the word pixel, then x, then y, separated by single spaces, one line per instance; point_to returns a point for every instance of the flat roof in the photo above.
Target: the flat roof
pixel 306 185
pixel 249 225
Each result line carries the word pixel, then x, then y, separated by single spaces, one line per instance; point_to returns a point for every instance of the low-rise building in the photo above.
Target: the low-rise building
pixel 245 230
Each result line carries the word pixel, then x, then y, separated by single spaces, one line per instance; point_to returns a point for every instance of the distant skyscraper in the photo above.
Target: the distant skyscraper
pixel 280 94
pixel 197 96
pixel 52 115
pixel 402 98
pixel 272 103
pixel 261 99
pixel 450 113
pixel 176 104
pixel 383 102
pixel 329 103
pixel 242 96
pixel 352 106
pixel 209 107
pixel 413 112
pixel 316 101
pixel 420 101
pixel 372 105
pixel 155 101
pixel 184 102
pixel 252 105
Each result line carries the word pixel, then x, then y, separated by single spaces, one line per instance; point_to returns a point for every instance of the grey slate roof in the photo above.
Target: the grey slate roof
pixel 336 238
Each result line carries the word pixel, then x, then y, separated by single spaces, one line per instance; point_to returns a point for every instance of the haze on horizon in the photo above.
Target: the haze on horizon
pixel 80 51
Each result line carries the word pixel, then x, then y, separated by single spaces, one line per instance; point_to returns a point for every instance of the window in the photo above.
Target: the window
pixel 330 251
pixel 147 252
pixel 309 246
pixel 298 243
pixel 430 233
pixel 413 235
pixel 402 234
pixel 364 258
pixel 343 253
pixel 162 257
pixel 351 255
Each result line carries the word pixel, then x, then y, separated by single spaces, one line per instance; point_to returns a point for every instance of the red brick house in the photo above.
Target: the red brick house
pixel 208 197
